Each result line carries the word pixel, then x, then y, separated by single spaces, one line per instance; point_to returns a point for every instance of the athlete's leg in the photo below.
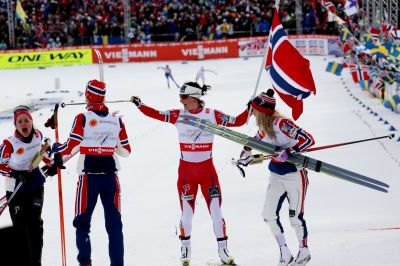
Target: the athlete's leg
pixel 85 202
pixel 110 197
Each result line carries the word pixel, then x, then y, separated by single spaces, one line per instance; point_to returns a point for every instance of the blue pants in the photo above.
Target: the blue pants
pixel 89 187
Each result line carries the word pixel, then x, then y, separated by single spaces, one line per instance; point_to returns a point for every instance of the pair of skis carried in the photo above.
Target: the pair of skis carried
pixel 3 200
pixel 297 159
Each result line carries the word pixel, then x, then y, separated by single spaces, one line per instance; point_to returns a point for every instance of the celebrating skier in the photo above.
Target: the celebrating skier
pixel 286 180
pixel 196 165
pixel 20 155
pixel 100 136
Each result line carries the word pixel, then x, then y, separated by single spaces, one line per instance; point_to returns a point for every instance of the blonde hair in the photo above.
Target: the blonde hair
pixel 264 122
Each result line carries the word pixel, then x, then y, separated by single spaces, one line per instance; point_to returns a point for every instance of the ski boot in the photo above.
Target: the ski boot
pixel 224 253
pixel 186 253
pixel 303 257
pixel 286 256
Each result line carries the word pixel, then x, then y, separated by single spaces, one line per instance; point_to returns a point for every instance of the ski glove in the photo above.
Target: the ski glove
pixel 21 176
pixel 58 161
pixel 50 122
pixel 283 155
pixel 54 147
pixel 136 100
pixel 50 170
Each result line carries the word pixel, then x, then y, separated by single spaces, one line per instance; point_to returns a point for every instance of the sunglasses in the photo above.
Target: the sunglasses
pixel 183 96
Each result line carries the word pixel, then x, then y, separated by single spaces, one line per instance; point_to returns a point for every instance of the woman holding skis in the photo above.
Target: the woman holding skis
pixel 196 167
pixel 286 180
pixel 20 155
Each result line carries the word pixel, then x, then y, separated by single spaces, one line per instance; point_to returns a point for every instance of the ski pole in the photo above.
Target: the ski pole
pixel 269 156
pixel 118 101
pixel 60 198
pixel 390 136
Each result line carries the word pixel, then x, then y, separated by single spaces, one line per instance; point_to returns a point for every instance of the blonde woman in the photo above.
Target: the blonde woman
pixel 286 180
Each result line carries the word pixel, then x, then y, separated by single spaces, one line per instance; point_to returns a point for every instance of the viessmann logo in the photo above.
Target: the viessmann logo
pixel 200 51
pixel 100 150
pixel 196 146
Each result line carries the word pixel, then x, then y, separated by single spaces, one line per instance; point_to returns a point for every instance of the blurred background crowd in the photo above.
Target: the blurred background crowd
pixel 52 23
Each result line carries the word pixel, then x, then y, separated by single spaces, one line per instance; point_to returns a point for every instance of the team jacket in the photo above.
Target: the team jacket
pixel 288 135
pixel 195 144
pixel 100 136
pixel 16 153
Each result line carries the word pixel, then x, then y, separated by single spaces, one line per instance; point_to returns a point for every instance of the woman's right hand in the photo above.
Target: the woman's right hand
pixel 136 100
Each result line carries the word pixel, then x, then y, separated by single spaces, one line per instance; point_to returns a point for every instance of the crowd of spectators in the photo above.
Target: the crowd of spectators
pixel 54 23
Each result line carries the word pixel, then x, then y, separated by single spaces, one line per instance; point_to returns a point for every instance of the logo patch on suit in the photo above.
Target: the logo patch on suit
pixel 93 122
pixel 227 118
pixel 20 151
pixel 214 192
pixel 289 129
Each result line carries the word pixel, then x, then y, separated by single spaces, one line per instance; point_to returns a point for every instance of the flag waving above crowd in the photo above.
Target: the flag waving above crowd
pixel 289 71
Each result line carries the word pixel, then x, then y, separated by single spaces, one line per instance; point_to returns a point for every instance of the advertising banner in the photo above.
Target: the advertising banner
pixel 44 58
pixel 306 44
pixel 168 51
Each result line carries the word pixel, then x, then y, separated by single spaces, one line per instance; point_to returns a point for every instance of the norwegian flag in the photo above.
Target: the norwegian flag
pixel 359 73
pixel 289 71
pixel 328 6
pixel 350 7
pixel 395 34
pixel 386 26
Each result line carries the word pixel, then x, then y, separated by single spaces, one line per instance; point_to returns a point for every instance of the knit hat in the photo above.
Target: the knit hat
pixel 95 91
pixel 21 109
pixel 192 91
pixel 265 102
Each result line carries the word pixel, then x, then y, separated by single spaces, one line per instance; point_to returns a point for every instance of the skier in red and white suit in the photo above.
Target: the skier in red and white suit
pixel 100 136
pixel 196 165
pixel 286 180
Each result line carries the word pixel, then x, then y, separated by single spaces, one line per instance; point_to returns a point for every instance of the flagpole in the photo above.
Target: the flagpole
pixel 262 65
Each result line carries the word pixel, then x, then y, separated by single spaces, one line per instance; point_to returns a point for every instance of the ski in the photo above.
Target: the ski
pixel 3 200
pixel 297 159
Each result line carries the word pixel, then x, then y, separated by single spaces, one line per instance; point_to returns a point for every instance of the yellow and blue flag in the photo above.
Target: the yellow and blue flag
pixel 20 12
pixel 364 84
pixel 334 68
pixel 345 34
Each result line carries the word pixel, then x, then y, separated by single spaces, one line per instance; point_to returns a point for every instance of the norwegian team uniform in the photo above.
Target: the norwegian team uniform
pixel 100 136
pixel 196 165
pixel 16 154
pixel 286 180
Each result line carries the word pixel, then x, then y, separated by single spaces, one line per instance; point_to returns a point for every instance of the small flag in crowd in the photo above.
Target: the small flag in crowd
pixel 358 72
pixel 393 103
pixel 328 6
pixel 395 34
pixel 334 68
pixel 345 34
pixel 20 12
pixel 289 71
pixel 364 84
pixel 350 7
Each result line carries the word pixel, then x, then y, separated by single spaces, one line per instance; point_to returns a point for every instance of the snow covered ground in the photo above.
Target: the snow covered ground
pixel 348 224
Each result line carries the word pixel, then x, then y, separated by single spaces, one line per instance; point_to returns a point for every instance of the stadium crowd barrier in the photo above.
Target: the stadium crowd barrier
pixel 169 51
